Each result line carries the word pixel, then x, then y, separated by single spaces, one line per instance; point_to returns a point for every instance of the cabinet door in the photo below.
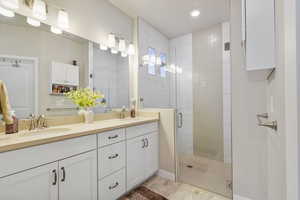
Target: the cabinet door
pixel 135 162
pixel 78 177
pixel 259 34
pixel 72 75
pixel 38 183
pixel 151 154
pixel 58 73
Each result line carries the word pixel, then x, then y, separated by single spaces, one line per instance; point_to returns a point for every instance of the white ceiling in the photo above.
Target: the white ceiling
pixel 172 18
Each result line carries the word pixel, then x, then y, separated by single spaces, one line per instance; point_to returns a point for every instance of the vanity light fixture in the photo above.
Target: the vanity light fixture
pixel 10 4
pixel 56 30
pixel 113 51
pixel 124 54
pixel 63 19
pixel 39 10
pixel 7 13
pixel 103 47
pixel 122 45
pixel 131 50
pixel 195 13
pixel 33 22
pixel 111 40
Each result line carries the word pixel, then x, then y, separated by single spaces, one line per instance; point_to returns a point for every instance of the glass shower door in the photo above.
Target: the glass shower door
pixel 202 83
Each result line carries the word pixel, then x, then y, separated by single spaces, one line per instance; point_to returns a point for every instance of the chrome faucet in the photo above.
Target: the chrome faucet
pixel 37 123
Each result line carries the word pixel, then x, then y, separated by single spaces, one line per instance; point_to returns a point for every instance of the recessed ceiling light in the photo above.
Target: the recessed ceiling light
pixel 195 13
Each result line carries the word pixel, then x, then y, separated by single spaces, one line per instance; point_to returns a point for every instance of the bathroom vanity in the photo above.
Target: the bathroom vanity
pixel 101 161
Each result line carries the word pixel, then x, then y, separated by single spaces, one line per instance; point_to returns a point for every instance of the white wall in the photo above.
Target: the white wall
pixel 181 54
pixel 154 89
pixel 250 166
pixel 91 19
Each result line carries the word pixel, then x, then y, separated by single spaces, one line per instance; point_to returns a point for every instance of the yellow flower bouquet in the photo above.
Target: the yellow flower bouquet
pixel 85 99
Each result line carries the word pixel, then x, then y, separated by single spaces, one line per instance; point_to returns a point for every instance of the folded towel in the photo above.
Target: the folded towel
pixel 5 108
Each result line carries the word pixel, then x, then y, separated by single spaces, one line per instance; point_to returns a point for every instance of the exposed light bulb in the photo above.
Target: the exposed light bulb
pixel 63 19
pixel 195 13
pixel 124 54
pixel 111 40
pixel 122 45
pixel 131 49
pixel 114 51
pixel 158 61
pixel 103 47
pixel 33 22
pixel 56 30
pixel 39 10
pixel 11 4
pixel 6 13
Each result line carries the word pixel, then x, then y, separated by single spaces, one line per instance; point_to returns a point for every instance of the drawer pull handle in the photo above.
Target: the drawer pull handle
pixel 144 143
pixel 63 174
pixel 113 137
pixel 55 177
pixel 113 156
pixel 147 143
pixel 114 186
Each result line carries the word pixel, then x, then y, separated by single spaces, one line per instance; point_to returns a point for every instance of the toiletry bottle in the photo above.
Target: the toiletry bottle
pixel 132 112
pixel 14 127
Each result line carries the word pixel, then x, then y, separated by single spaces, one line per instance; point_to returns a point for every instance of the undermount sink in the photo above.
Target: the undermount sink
pixel 34 132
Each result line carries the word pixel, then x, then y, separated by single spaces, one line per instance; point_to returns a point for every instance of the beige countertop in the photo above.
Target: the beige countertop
pixel 25 139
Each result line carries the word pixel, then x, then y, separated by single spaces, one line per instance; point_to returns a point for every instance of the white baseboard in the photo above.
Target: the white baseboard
pixel 237 197
pixel 165 174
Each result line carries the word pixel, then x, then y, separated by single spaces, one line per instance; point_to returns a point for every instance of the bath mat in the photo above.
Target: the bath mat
pixel 143 193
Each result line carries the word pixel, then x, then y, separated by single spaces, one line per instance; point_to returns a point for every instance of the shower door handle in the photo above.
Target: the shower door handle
pixel 180 120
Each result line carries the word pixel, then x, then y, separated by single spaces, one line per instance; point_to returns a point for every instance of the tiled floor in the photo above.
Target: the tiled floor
pixel 179 191
pixel 206 173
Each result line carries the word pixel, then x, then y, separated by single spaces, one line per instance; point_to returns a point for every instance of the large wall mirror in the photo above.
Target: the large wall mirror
pixel 38 66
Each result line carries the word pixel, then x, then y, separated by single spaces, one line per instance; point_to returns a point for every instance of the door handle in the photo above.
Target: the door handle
pixel 180 120
pixel 114 186
pixel 144 143
pixel 55 177
pixel 63 174
pixel 113 137
pixel 147 142
pixel 113 156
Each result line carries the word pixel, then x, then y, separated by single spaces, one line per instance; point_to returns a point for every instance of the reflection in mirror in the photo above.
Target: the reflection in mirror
pixel 38 67
pixel 111 77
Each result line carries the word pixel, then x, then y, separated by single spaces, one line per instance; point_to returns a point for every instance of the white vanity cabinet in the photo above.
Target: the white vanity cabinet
pixel 142 153
pixel 36 183
pixel 259 34
pixel 103 166
pixel 78 177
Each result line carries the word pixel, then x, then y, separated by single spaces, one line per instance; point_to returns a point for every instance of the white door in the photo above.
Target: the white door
pixel 20 80
pixel 38 183
pixel 151 154
pixel 78 177
pixel 135 161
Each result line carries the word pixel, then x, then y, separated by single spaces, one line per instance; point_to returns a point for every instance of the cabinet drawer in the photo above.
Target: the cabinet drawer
pixel 19 160
pixel 112 187
pixel 111 137
pixel 111 159
pixel 136 131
